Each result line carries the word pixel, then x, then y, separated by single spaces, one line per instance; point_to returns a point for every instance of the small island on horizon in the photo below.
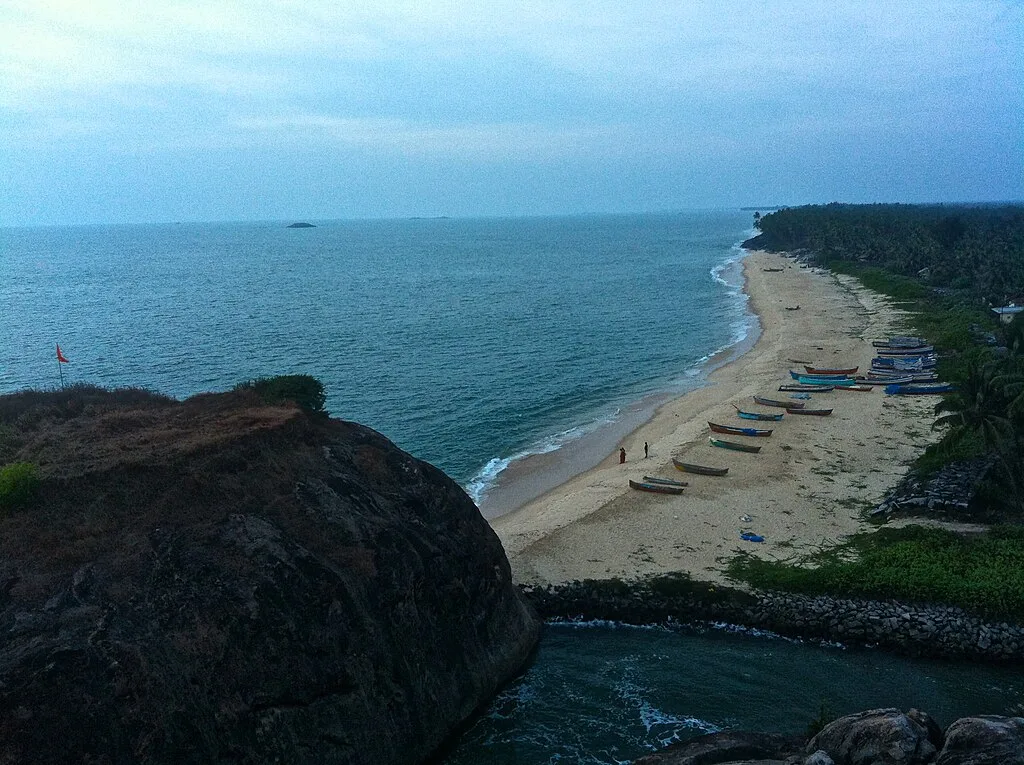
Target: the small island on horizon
pixel 301 224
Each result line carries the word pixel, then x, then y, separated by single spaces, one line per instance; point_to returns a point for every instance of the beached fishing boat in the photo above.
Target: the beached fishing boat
pixel 666 481
pixel 847 372
pixel 779 404
pixel 758 415
pixel 797 375
pixel 920 350
pixel 915 363
pixel 900 341
pixel 819 381
pixel 771 270
pixel 883 380
pixel 734 446
pixel 689 467
pixel 919 390
pixel 657 488
pixel 733 431
pixel 812 412
pixel 798 388
pixel 857 387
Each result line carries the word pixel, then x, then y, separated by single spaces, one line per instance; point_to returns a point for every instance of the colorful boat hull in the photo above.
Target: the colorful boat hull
pixel 849 371
pixel 759 416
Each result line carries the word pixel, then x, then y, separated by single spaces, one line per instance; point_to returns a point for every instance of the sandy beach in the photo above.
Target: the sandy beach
pixel 809 485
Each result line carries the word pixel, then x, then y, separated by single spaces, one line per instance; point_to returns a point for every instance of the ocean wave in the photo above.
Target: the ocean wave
pixel 478 486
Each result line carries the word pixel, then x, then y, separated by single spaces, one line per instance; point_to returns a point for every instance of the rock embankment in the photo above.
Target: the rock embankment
pixel 875 737
pixel 909 629
pixel 216 580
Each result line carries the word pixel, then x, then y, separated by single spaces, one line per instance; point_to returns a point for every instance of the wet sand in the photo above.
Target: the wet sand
pixel 809 485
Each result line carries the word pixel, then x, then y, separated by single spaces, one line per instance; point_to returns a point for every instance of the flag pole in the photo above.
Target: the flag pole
pixel 59 368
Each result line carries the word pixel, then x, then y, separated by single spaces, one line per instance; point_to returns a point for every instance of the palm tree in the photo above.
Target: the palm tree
pixel 989 404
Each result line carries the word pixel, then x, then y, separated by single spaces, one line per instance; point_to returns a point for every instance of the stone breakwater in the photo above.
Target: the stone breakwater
pixel 908 629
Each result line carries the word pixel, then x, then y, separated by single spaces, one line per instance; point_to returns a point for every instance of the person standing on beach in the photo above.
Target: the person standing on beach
pixel 646 453
pixel 622 455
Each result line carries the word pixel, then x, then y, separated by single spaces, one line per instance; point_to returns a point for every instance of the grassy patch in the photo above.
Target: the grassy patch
pixel 981 573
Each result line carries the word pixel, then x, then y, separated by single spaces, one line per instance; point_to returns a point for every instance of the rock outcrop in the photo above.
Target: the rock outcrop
pixel 875 737
pixel 219 580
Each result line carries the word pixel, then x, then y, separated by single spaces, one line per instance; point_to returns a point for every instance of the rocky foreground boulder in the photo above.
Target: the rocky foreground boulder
pixel 874 737
pixel 219 580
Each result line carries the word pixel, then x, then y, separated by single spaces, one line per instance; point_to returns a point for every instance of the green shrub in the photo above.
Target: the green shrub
pixel 19 485
pixel 304 390
pixel 983 573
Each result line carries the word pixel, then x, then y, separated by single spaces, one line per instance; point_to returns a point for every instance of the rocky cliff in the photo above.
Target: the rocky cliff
pixel 221 580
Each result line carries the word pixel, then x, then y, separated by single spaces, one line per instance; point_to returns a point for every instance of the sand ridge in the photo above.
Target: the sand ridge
pixel 809 485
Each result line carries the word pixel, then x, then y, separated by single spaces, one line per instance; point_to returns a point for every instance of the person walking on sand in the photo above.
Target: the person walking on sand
pixel 622 455
pixel 646 453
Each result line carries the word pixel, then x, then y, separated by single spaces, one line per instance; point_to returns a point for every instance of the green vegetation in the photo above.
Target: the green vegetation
pixel 982 573
pixel 976 250
pixel 304 390
pixel 19 485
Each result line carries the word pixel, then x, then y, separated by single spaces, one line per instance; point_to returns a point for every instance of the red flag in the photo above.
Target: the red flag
pixel 60 356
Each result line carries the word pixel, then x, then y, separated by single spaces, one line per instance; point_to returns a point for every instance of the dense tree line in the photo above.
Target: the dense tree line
pixel 972 249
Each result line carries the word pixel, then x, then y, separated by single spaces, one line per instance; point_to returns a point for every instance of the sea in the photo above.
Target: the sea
pixel 481 346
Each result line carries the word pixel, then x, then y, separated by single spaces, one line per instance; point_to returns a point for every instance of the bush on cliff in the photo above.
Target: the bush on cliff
pixel 19 485
pixel 304 390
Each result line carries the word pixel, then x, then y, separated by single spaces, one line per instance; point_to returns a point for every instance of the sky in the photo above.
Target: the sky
pixel 165 110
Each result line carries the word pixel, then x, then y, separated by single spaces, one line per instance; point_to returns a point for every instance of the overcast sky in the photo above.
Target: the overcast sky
pixel 158 110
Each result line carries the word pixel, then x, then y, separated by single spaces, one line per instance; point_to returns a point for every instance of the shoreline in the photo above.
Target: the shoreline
pixel 530 476
pixel 808 485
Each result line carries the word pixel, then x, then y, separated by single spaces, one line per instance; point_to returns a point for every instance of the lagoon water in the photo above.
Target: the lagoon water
pixel 470 343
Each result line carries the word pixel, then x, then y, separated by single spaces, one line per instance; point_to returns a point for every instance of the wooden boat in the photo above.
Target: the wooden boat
pixel 890 380
pixel 666 481
pixel 834 381
pixel 689 467
pixel 779 404
pixel 734 446
pixel 857 387
pixel 900 341
pixel 918 351
pixel 797 375
pixel 758 415
pixel 799 388
pixel 657 488
pixel 771 270
pixel 813 412
pixel 919 390
pixel 847 372
pixel 733 431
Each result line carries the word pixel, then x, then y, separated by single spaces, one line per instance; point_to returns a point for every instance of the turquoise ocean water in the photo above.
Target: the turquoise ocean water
pixel 470 343
pixel 467 342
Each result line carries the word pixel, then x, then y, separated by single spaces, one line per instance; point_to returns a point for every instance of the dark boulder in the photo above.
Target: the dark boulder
pixel 984 740
pixel 216 580
pixel 876 737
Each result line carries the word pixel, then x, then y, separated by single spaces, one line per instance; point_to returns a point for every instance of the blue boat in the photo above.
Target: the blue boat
pixel 918 390
pixel 759 415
